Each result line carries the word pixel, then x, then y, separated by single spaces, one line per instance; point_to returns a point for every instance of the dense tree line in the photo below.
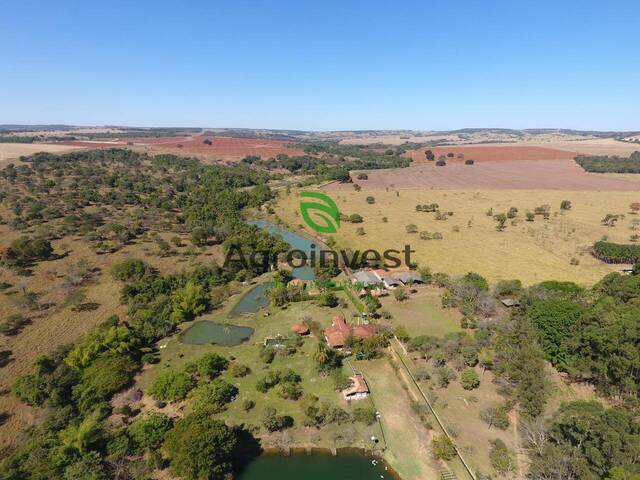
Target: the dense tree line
pixel 616 252
pixel 331 161
pixel 607 164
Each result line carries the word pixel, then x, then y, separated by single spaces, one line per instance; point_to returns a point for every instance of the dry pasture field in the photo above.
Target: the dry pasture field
pixel 531 251
pixel 61 323
pixel 11 151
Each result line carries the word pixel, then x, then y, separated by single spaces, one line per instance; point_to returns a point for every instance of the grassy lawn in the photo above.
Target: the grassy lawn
pixel 407 439
pixel 422 313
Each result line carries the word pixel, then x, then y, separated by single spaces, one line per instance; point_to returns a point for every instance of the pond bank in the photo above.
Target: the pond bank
pixel 317 464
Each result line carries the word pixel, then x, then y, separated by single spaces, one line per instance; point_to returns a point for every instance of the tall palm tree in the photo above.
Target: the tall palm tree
pixel 321 355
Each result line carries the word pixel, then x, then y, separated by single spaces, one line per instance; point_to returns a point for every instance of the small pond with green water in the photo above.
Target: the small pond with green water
pixel 205 332
pixel 315 467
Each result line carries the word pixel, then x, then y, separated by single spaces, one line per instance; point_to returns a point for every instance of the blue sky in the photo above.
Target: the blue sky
pixel 322 65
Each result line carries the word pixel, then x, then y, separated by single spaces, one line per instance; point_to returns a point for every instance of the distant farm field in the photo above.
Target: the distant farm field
pixel 13 151
pixel 531 251
pixel 494 153
pixel 490 174
pixel 221 148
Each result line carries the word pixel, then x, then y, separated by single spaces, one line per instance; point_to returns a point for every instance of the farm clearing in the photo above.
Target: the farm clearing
pixel 529 251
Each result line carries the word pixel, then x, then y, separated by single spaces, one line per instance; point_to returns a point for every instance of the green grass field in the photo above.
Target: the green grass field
pixel 422 313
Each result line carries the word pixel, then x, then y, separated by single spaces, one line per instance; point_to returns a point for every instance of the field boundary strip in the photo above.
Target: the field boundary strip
pixel 435 415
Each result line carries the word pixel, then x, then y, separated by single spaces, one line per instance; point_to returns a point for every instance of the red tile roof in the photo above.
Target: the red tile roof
pixel 300 329
pixel 340 330
pixel 364 331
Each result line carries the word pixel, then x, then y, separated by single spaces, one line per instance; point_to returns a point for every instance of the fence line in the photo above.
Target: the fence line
pixel 435 415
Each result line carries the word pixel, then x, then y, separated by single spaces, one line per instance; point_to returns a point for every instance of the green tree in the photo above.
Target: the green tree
pixel 200 447
pixel 188 302
pixel 171 386
pixel 209 366
pixel 469 379
pixel 443 448
pixel 501 220
pixel 502 459
pixel 555 321
pixel 130 270
pixel 565 205
pixel 150 430
pixel 213 396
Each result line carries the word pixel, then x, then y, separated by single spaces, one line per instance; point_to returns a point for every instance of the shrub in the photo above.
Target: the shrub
pixel 130 270
pixel 371 200
pixel 239 370
pixel 445 376
pixel 469 162
pixel 477 280
pixel 171 386
pixel 356 218
pixel 469 379
pixel 366 415
pixel 400 294
pixel 500 219
pixel 508 287
pixel 213 396
pixel 565 205
pixel 150 430
pixel 13 324
pixel 208 366
pixel 502 459
pixel 443 448
pixel 25 250
pixel 274 422
pixel 248 404
pixel 327 299
pixel 495 417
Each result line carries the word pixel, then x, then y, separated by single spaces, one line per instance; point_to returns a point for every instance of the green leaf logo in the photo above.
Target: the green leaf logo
pixel 326 209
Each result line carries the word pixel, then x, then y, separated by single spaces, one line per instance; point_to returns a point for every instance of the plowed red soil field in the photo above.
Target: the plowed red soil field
pixel 223 148
pixel 494 153
pixel 492 175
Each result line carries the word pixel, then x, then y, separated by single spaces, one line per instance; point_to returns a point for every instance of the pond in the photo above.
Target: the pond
pixel 252 301
pixel 297 242
pixel 256 298
pixel 205 332
pixel 314 467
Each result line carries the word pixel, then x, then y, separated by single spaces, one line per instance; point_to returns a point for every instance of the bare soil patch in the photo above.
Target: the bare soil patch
pixel 494 153
pixel 492 175
pixel 222 148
